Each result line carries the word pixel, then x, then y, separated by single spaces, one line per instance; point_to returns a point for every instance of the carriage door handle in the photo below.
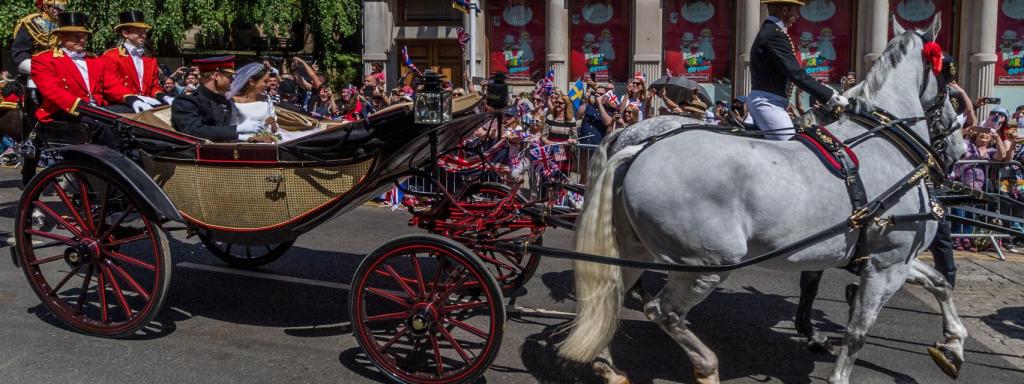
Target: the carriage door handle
pixel 277 179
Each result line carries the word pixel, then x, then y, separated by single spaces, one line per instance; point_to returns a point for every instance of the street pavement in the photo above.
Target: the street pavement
pixel 288 322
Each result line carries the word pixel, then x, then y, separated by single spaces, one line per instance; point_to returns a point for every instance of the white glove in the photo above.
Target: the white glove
pixel 838 100
pixel 249 126
pixel 25 67
pixel 139 106
pixel 149 100
pixel 168 100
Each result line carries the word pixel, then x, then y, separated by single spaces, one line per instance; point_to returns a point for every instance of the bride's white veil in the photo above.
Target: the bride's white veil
pixel 242 77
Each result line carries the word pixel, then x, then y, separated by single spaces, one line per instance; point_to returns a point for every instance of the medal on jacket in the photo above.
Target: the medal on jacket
pixel 792 48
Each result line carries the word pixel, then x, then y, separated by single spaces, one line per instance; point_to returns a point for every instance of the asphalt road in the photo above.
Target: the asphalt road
pixel 288 322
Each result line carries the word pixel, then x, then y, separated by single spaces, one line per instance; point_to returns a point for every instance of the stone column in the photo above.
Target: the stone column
pixel 981 66
pixel 647 41
pixel 377 24
pixel 556 39
pixel 748 21
pixel 479 41
pixel 875 35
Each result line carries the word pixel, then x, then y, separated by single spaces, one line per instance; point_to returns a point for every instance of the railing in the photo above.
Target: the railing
pixel 452 181
pixel 1004 178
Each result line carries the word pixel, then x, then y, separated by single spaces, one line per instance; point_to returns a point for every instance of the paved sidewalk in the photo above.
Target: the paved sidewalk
pixel 990 298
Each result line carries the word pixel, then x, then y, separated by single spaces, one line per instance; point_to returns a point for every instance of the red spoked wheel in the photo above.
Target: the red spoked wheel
pixel 89 251
pixel 425 310
pixel 510 268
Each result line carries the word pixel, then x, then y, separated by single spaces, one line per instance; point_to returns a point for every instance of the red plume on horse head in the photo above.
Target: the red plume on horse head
pixel 932 54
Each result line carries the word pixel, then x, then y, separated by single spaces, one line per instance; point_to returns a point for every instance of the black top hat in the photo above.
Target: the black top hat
pixel 73 22
pixel 135 19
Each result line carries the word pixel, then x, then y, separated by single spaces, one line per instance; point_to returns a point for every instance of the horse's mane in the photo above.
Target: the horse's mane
pixel 893 55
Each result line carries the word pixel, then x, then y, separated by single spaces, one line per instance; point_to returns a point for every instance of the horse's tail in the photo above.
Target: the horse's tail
pixel 599 287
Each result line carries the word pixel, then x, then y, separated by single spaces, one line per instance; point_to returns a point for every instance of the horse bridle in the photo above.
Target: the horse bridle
pixel 933 114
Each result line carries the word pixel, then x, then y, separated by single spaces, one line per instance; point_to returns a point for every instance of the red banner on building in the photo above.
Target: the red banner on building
pixel 1010 43
pixel 920 13
pixel 599 39
pixel 822 38
pixel 516 31
pixel 697 37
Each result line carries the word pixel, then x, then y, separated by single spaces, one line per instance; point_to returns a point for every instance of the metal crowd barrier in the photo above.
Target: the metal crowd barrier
pixel 1005 178
pixel 578 163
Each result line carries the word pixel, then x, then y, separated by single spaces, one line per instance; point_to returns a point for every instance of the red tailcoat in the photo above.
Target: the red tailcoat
pixel 121 63
pixel 63 87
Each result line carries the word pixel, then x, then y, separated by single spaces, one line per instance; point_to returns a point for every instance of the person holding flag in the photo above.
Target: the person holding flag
pixel 593 114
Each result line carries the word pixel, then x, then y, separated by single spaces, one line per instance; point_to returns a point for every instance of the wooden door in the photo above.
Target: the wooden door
pixel 442 56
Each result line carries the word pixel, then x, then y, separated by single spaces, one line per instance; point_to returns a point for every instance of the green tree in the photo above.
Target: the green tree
pixel 334 24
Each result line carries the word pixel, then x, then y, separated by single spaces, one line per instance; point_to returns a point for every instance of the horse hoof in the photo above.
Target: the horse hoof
pixel 947 361
pixel 710 379
pixel 822 346
pixel 851 292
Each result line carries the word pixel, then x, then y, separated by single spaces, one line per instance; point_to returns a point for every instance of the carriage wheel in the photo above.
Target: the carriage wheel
pixel 89 251
pixel 511 269
pixel 416 315
pixel 246 256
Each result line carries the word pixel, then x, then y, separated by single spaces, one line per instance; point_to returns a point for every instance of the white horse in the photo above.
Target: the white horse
pixel 678 202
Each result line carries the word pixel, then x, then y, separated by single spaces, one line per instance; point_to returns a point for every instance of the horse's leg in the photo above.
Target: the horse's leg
pixel 809 282
pixel 948 355
pixel 877 287
pixel 603 365
pixel 669 308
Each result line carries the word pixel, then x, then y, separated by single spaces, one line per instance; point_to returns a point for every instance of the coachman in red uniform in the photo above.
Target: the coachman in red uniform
pixel 136 70
pixel 68 76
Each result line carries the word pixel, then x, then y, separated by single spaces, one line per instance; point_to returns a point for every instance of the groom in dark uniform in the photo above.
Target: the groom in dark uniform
pixel 207 113
pixel 774 71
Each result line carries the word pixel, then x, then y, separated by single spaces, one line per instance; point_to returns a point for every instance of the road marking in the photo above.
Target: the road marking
pixel 266 276
pixel 538 312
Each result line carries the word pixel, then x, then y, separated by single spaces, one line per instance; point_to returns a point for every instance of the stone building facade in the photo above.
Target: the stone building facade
pixel 706 40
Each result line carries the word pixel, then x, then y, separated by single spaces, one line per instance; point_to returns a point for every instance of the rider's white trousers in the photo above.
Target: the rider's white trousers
pixel 769 113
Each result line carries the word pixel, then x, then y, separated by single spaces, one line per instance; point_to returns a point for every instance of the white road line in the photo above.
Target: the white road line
pixel 266 276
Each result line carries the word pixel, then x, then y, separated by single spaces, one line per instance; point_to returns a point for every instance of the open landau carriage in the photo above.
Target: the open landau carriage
pixel 427 308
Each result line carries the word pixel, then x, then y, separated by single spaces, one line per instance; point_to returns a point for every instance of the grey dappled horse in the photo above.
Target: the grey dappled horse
pixel 678 202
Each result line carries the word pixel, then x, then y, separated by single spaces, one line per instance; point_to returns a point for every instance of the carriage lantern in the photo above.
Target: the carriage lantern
pixel 433 104
pixel 497 92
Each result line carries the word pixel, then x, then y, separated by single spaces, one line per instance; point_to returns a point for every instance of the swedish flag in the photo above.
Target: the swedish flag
pixel 464 6
pixel 576 93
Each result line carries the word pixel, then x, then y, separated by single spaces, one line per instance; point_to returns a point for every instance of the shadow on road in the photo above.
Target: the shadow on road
pixel 723 322
pixel 1009 321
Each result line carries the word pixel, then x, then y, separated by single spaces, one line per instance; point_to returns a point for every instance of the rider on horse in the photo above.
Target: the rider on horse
pixel 774 70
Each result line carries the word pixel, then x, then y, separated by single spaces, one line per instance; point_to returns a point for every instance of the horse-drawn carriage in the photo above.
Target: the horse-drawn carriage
pixel 91 230
pixel 91 239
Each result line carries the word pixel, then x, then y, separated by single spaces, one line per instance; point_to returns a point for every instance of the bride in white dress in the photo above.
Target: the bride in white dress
pixel 250 103
pixel 249 93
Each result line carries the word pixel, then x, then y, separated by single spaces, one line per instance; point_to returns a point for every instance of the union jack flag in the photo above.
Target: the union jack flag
pixel 408 61
pixel 523 109
pixel 549 81
pixel 463 36
pixel 545 158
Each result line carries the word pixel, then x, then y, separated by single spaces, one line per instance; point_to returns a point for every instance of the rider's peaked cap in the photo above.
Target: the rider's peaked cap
pixel 73 22
pixel 133 18
pixel 785 2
